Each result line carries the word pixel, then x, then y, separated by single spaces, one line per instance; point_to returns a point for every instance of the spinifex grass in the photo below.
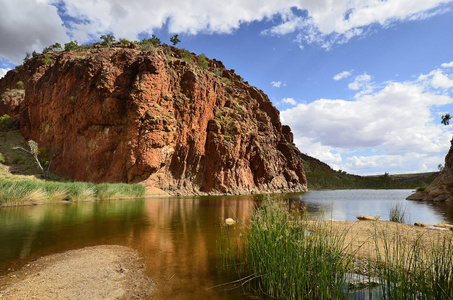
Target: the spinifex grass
pixel 25 192
pixel 285 256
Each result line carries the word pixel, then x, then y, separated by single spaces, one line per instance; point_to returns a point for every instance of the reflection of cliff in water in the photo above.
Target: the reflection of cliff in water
pixel 176 236
pixel 180 242
pixel 29 232
pixel 442 208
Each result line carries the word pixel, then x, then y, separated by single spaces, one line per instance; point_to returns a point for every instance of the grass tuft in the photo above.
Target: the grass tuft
pixel 398 213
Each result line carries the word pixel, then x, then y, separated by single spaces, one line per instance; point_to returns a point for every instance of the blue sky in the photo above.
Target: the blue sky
pixel 362 83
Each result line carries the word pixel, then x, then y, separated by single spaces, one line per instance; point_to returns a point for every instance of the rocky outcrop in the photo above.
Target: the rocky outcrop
pixel 441 189
pixel 164 117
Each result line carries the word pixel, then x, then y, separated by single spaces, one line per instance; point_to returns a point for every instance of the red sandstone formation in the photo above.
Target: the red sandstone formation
pixel 164 117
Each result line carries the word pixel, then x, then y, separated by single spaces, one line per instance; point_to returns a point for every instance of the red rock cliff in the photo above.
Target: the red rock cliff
pixel 441 189
pixel 164 117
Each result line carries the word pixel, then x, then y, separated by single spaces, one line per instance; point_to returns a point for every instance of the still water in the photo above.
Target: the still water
pixel 176 236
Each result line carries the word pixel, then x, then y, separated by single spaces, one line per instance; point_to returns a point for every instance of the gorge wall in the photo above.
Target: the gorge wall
pixel 165 117
pixel 441 189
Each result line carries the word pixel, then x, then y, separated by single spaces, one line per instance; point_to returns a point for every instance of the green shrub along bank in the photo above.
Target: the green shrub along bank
pixel 14 193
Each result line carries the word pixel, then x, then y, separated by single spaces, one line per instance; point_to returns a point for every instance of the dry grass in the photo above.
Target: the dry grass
pixel 364 236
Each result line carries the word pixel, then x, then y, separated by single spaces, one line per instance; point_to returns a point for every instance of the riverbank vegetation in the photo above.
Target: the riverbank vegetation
pixel 25 192
pixel 22 182
pixel 283 254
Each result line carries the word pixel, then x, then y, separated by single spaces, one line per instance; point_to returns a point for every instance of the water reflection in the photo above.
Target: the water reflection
pixel 176 236
pixel 346 205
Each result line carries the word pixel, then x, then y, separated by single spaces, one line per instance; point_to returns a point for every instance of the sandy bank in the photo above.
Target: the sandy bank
pixel 101 272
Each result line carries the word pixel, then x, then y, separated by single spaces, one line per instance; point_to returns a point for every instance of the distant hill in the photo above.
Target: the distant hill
pixel 322 176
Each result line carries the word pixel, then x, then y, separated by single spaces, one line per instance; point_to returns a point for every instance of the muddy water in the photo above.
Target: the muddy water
pixel 176 236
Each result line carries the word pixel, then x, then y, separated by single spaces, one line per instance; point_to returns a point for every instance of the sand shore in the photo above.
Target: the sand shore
pixel 101 272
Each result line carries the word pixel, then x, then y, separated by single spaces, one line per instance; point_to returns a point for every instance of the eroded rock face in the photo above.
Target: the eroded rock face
pixel 156 117
pixel 441 189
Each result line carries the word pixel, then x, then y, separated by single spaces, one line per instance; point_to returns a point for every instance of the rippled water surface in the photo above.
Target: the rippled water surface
pixel 176 236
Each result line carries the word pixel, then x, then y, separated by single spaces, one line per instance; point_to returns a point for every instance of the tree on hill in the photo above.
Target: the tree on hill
pixel 107 40
pixel 71 46
pixel 446 119
pixel 174 39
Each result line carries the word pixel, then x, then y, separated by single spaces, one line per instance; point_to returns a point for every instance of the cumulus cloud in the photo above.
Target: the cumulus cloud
pixel 341 75
pixel 447 65
pixel 330 22
pixel 28 25
pixel 438 78
pixel 289 101
pixel 396 120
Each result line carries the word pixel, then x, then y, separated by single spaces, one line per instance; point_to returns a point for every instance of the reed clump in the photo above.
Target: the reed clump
pixel 285 255
pixel 398 213
pixel 414 268
pixel 14 193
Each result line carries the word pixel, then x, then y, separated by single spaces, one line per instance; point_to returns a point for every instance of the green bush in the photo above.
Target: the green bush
pixel 20 85
pixel 4 122
pixel 2 159
pixel 47 60
pixel 71 46
pixel 203 61
pixel 107 40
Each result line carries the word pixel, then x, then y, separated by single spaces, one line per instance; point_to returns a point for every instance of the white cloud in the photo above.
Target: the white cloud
pixel 276 84
pixel 447 65
pixel 441 80
pixel 341 75
pixel 289 101
pixel 437 78
pixel 27 25
pixel 331 22
pixel 3 72
pixel 360 82
pixel 399 120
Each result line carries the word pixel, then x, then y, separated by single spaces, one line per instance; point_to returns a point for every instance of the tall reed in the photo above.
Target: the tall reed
pixel 398 213
pixel 417 268
pixel 286 256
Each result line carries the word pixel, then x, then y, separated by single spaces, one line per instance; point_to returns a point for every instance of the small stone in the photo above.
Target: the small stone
pixel 230 221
